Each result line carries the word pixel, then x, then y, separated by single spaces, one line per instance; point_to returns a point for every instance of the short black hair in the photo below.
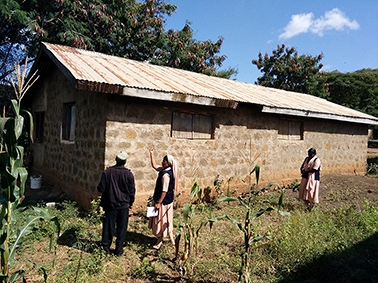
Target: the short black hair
pixel 312 150
pixel 120 161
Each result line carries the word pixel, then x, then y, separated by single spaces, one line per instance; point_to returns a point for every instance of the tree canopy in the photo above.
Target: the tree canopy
pixel 127 28
pixel 357 90
pixel 287 70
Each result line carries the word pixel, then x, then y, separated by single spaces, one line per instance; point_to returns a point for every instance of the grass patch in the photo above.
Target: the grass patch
pixel 338 245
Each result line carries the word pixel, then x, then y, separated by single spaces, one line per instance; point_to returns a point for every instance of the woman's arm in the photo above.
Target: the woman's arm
pixel 153 162
pixel 313 165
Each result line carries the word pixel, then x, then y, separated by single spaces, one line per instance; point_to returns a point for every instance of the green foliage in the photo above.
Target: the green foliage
pixel 196 193
pixel 357 90
pixel 180 50
pixel 246 226
pixel 372 166
pixel 298 248
pixel 132 29
pixel 294 186
pixel 372 169
pixel 96 213
pixel 287 70
pixel 6 95
pixel 319 239
pixel 188 229
pixel 14 34
pixel 144 270
pixel 13 179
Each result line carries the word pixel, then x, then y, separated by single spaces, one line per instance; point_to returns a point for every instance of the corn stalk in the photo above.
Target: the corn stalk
pixel 188 230
pixel 13 179
pixel 250 237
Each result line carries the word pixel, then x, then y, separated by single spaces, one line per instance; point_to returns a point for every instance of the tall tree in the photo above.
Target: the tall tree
pixel 15 36
pixel 127 28
pixel 287 70
pixel 180 50
pixel 357 90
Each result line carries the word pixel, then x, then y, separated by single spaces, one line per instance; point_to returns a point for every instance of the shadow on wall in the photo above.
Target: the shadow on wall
pixel 357 264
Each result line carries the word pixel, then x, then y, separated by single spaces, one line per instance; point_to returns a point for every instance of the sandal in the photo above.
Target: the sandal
pixel 158 244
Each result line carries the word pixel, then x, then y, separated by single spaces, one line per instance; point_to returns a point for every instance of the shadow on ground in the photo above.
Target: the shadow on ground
pixel 357 264
pixel 45 194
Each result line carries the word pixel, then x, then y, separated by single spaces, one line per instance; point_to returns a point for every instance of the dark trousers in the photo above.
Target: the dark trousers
pixel 115 220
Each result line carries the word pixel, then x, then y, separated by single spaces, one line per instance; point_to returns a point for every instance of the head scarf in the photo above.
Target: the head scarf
pixel 174 166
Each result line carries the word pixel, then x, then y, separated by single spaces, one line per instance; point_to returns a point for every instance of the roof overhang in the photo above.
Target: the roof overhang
pixel 319 115
pixel 179 97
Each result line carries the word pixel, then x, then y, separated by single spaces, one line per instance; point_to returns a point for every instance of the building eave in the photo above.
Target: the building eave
pixel 318 115
pixel 179 97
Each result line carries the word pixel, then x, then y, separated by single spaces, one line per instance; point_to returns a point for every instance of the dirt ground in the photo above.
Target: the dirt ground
pixel 343 190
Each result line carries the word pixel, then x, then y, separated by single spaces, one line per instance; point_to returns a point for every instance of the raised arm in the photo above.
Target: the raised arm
pixel 153 162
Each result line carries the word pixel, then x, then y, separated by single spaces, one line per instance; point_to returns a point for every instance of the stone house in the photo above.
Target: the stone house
pixel 87 106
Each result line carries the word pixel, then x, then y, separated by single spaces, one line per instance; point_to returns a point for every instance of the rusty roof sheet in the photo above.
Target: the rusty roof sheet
pixel 99 72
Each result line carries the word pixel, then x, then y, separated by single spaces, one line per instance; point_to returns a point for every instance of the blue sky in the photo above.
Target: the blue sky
pixel 344 31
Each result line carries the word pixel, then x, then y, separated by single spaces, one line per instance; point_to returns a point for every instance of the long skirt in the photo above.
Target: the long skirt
pixel 162 224
pixel 309 189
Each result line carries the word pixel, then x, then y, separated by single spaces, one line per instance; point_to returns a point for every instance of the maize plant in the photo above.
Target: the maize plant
pixel 250 237
pixel 13 179
pixel 188 230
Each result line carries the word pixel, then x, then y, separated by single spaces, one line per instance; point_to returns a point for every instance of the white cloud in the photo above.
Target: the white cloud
pixel 298 24
pixel 303 23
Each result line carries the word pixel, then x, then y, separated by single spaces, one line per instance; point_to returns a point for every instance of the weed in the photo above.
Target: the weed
pixel 372 169
pixel 145 269
pixel 293 186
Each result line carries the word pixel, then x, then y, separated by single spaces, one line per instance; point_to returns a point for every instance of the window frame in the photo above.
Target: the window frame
pixel 290 130
pixel 68 126
pixel 192 125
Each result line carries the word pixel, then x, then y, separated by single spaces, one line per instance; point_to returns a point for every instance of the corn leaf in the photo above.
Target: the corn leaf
pixel 261 212
pixel 228 199
pixel 31 124
pixel 237 223
pixel 185 211
pixel 256 239
pixel 280 201
pixel 19 234
pixel 17 275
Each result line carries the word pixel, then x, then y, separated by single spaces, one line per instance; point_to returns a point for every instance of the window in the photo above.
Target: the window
pixel 290 130
pixel 39 126
pixel 69 121
pixel 192 126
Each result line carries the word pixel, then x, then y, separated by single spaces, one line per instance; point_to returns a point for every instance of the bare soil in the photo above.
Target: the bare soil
pixel 339 190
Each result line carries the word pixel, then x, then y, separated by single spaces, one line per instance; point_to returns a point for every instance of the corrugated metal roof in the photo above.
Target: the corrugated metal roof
pixel 99 72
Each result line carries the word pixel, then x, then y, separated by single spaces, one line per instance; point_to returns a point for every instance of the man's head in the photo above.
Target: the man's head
pixel 121 158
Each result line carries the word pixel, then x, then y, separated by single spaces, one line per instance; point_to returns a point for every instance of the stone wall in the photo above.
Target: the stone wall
pixel 73 167
pixel 243 137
